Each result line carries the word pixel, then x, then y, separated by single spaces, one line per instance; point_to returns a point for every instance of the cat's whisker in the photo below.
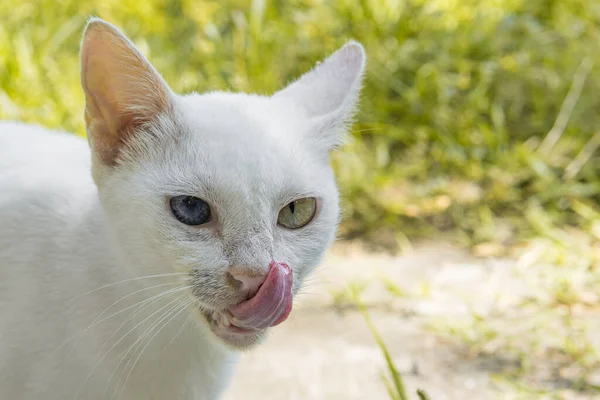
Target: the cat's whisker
pixel 119 341
pixel 129 295
pixel 313 307
pixel 128 280
pixel 95 323
pixel 323 267
pixel 95 320
pixel 145 304
pixel 138 343
pixel 322 286
pixel 180 330
pixel 303 294
pixel 124 355
pixel 317 280
pixel 131 316
pixel 173 314
pixel 325 302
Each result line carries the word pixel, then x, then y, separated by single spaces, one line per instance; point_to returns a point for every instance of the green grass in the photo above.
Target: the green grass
pixel 549 338
pixel 458 97
pixel 479 121
pixel 393 379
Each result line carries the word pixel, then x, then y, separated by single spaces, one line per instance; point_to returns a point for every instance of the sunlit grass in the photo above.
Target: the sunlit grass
pixel 393 379
pixel 458 96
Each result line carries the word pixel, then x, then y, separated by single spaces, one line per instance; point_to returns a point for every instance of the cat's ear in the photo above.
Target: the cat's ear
pixel 122 89
pixel 329 93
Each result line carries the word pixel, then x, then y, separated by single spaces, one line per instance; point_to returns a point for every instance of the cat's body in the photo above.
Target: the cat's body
pixel 103 292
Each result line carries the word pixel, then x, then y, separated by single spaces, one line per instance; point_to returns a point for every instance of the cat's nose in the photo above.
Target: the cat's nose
pixel 249 283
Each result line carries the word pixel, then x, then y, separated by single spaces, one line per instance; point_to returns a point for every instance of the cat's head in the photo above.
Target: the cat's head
pixel 232 191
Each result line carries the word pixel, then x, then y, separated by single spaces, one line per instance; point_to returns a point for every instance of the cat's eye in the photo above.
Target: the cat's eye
pixel 190 210
pixel 298 213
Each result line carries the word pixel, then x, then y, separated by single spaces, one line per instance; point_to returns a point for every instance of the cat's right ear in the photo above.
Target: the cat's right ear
pixel 122 89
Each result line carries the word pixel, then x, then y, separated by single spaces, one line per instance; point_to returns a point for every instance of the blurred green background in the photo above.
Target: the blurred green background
pixel 479 123
pixel 459 95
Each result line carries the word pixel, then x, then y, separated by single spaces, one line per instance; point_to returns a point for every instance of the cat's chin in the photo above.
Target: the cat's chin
pixel 231 335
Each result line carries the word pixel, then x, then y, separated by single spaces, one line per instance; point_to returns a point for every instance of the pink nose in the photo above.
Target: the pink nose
pixel 250 284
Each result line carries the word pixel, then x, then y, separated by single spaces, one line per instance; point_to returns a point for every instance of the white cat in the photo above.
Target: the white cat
pixel 144 280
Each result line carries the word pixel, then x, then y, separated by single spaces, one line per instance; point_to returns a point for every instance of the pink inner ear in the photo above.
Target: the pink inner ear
pixel 122 88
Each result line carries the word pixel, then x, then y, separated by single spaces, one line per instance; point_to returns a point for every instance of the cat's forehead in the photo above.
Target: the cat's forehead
pixel 240 117
pixel 241 130
pixel 244 141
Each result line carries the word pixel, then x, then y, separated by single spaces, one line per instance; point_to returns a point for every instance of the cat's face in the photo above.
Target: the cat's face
pixel 233 190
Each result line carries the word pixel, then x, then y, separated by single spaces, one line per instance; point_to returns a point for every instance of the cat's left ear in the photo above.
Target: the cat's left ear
pixel 329 93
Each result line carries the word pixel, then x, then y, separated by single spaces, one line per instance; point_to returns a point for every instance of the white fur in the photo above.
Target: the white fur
pixel 63 235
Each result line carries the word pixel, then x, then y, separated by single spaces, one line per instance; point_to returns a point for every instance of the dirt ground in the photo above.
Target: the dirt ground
pixel 322 352
pixel 326 351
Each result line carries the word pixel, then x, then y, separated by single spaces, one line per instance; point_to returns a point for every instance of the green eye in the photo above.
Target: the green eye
pixel 298 213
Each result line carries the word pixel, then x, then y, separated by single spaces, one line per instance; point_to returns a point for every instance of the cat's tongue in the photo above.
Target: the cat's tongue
pixel 272 303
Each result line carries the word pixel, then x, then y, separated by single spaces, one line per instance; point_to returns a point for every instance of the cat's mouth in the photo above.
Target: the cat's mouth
pixel 270 306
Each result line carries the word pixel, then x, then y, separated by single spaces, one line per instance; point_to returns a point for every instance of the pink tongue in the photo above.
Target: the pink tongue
pixel 272 303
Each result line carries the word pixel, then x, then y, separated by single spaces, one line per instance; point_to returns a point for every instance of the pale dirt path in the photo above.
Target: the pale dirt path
pixel 322 353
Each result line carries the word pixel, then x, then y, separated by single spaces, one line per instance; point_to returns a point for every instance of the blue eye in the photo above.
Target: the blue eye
pixel 190 210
